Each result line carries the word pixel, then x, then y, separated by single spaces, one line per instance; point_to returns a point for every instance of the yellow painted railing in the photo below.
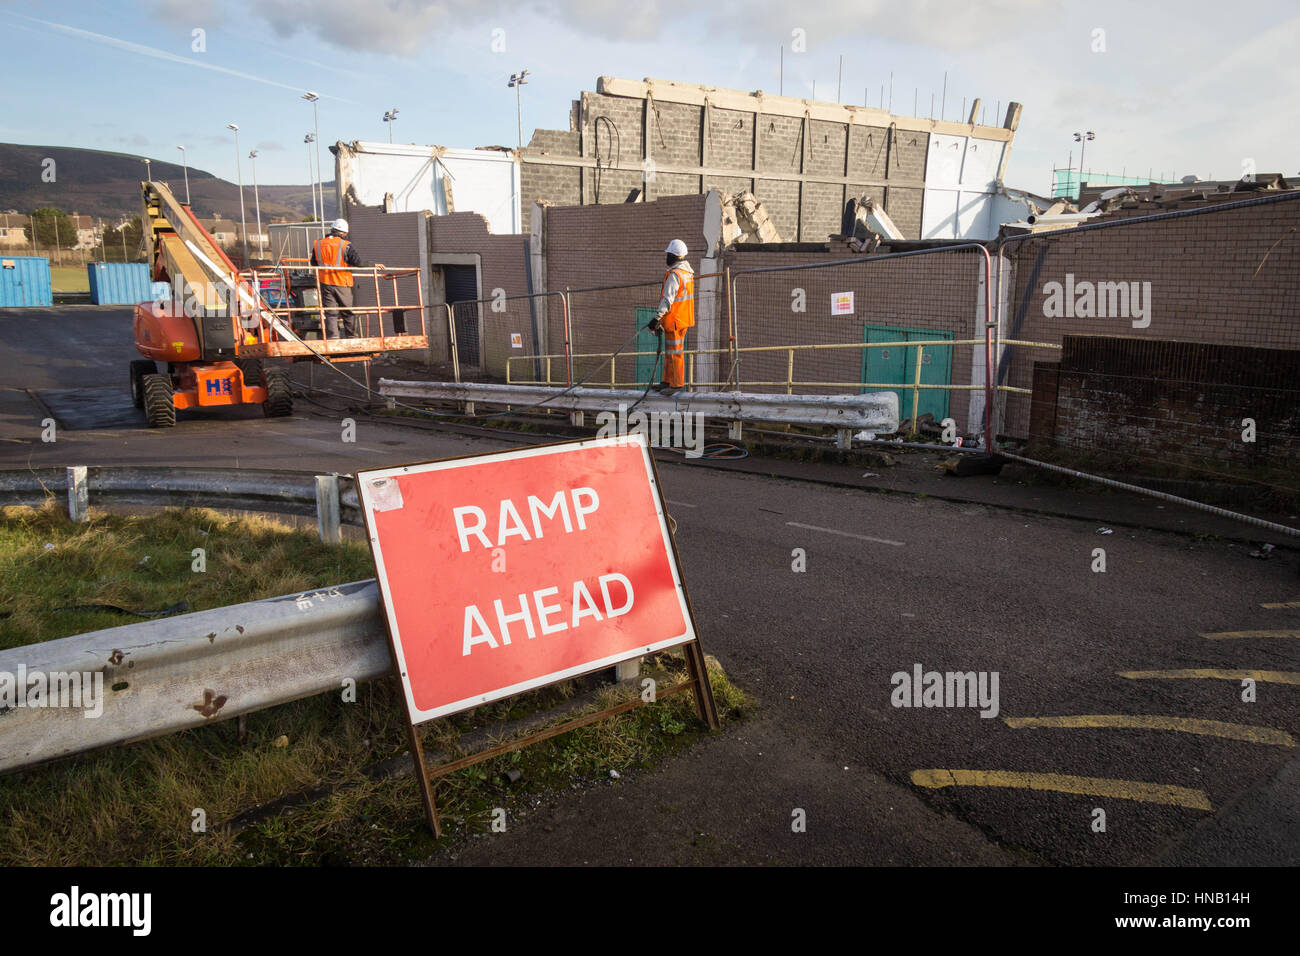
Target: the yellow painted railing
pixel 790 382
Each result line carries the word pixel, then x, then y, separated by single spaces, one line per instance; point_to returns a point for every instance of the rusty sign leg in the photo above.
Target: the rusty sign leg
pixel 422 775
pixel 699 672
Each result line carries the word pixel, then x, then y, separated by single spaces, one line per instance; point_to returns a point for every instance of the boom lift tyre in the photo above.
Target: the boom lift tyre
pixel 279 393
pixel 139 369
pixel 251 369
pixel 159 407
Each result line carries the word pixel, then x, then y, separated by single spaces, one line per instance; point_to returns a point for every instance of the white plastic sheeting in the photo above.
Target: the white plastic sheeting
pixel 433 178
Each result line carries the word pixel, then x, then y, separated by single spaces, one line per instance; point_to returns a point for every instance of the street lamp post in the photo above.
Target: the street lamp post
pixel 257 200
pixel 239 172
pixel 311 176
pixel 186 166
pixel 517 80
pixel 388 118
pixel 311 97
pixel 148 175
pixel 1082 138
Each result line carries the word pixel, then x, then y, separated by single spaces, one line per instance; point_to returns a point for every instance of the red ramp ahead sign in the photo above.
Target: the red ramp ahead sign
pixel 511 570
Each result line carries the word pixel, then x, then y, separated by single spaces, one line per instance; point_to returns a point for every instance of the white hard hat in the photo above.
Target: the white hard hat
pixel 340 225
pixel 677 248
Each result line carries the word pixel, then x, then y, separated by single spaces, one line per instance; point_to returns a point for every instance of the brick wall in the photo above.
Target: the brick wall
pixel 615 245
pixel 676 133
pixel 1161 401
pixel 731 139
pixel 394 240
pixel 504 263
pixel 1220 277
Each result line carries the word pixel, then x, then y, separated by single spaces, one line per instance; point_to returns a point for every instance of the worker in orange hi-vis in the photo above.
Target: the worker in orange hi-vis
pixel 337 257
pixel 675 315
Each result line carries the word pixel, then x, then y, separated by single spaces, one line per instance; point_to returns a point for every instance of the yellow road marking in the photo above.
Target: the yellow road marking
pixel 1281 604
pixel 1287 632
pixel 1186 725
pixel 1089 786
pixel 1212 673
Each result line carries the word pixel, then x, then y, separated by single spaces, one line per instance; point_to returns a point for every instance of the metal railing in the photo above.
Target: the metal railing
pixel 915 386
pixel 331 498
pixel 308 321
pixel 186 671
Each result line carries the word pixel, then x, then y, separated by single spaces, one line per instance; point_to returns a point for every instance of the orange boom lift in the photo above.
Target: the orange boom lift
pixel 204 344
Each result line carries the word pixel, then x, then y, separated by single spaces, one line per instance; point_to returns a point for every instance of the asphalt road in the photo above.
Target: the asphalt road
pixel 891 582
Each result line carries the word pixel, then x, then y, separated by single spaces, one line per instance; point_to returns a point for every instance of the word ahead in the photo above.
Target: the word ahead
pixel 508 571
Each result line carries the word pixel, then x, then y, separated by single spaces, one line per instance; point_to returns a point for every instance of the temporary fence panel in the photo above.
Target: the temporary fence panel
pixel 829 309
pixel 608 318
pixel 504 338
pixel 293 240
pixel 1222 276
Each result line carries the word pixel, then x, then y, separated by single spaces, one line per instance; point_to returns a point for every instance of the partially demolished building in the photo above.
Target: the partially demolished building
pixel 799 162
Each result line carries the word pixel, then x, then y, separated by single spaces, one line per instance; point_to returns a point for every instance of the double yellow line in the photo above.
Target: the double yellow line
pixel 1060 783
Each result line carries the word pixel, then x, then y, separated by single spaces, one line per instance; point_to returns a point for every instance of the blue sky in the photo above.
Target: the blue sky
pixel 1181 87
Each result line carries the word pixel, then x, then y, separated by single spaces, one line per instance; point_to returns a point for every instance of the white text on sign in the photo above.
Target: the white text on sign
pixel 531 613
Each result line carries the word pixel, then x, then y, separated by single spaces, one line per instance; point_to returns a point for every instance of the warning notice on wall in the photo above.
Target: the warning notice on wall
pixel 511 570
pixel 841 303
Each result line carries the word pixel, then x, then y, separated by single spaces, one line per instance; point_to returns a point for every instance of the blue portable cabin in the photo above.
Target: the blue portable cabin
pixel 25 282
pixel 119 283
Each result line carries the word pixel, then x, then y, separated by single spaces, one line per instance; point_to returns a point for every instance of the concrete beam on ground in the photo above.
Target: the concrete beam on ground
pixel 873 411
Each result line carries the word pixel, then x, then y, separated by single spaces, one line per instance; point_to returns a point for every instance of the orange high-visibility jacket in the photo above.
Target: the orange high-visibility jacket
pixel 681 312
pixel 330 252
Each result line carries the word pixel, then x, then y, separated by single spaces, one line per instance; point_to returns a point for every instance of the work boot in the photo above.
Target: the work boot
pixel 664 388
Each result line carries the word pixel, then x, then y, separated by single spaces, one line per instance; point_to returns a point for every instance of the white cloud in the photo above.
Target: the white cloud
pixel 406 27
pixel 403 27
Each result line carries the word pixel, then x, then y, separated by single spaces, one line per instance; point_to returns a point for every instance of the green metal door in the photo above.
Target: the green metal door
pixel 897 366
pixel 649 368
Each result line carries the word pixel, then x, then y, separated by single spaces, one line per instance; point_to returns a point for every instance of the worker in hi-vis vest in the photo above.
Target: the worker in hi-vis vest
pixel 337 257
pixel 675 315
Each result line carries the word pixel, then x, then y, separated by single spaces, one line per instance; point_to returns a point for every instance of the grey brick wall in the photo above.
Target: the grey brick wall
pixel 731 139
pixel 869 156
pixel 676 133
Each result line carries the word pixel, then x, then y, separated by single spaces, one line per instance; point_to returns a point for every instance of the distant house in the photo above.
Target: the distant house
pixel 13 231
pixel 88 231
pixel 227 233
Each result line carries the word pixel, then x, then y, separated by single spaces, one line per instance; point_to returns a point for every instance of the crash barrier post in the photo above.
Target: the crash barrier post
pixel 331 499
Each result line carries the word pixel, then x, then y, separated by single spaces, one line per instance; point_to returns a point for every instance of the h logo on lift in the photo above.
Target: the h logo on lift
pixel 218 386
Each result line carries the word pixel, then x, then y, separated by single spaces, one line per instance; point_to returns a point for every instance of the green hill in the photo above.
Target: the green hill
pixel 97 183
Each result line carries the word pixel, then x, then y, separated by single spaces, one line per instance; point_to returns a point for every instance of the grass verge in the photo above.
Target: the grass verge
pixel 314 781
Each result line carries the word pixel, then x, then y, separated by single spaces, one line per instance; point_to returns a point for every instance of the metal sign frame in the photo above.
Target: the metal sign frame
pixel 697 680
